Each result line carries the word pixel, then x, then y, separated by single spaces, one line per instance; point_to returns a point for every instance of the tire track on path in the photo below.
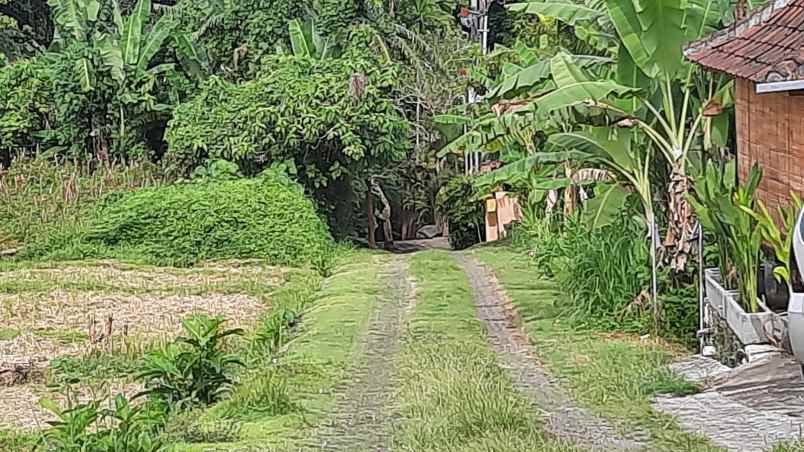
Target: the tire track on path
pixel 563 417
pixel 361 419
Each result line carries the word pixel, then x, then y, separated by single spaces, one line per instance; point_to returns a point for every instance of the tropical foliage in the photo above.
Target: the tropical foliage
pixel 613 113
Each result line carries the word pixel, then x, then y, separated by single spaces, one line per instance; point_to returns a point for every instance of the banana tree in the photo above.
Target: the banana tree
pixel 306 41
pixel 672 98
pixel 620 151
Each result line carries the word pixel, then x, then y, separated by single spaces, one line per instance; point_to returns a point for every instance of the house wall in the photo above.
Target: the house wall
pixel 770 130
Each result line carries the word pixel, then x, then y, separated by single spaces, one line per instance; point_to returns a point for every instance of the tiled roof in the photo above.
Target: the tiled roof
pixel 768 46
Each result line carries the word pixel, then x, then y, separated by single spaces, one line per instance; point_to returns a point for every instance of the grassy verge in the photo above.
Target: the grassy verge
pixel 454 396
pixel 279 407
pixel 615 375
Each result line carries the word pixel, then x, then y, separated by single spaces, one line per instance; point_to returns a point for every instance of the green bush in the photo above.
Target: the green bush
pixel 24 96
pixel 267 217
pixel 606 275
pixel 603 271
pixel 93 427
pixel 465 213
pixel 328 118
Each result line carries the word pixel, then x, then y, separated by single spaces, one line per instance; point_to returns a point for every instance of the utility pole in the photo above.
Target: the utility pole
pixel 479 16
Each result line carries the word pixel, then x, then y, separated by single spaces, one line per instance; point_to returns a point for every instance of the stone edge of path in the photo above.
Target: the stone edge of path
pixel 361 418
pixel 564 417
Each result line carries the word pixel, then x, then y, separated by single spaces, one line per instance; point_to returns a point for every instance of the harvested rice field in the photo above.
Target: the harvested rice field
pixel 88 323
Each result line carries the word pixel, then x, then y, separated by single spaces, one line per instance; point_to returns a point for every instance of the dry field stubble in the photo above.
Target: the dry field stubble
pixel 80 309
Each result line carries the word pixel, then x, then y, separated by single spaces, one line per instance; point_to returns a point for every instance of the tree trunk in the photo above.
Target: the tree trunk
pixel 385 215
pixel 409 224
pixel 372 226
pixel 679 241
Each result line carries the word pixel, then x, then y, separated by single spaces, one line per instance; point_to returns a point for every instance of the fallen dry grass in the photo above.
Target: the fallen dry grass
pixel 72 310
pixel 20 409
pixel 106 275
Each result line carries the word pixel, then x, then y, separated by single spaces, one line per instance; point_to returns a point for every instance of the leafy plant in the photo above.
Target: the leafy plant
pixel 332 118
pixel 196 369
pixel 459 201
pixel 780 239
pixel 123 427
pixel 730 215
pixel 274 332
pixel 713 187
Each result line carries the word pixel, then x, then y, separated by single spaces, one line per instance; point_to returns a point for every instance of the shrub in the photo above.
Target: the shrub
pixel 195 370
pixel 458 200
pixel 329 117
pixel 604 271
pixel 268 218
pixel 24 95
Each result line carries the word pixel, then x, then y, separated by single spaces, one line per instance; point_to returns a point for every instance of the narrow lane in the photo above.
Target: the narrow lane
pixel 563 417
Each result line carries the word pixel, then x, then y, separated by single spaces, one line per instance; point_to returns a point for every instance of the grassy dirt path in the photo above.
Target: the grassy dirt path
pixel 563 417
pixel 361 417
pixel 452 393
pixel 614 375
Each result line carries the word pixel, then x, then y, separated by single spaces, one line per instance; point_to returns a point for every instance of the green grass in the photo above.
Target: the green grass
pixel 9 334
pixel 15 441
pixel 795 446
pixel 281 405
pixel 615 375
pixel 95 367
pixel 454 396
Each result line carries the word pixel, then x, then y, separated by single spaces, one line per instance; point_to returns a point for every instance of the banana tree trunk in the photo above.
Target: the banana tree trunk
pixel 679 241
pixel 570 193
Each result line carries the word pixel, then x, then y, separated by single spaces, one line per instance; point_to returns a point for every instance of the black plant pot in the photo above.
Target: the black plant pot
pixel 775 293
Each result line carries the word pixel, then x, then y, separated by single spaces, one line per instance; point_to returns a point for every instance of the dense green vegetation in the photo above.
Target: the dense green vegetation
pixel 335 92
pixel 185 133
pixel 268 218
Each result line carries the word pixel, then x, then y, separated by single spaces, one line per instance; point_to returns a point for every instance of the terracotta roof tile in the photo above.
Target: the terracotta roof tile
pixel 767 46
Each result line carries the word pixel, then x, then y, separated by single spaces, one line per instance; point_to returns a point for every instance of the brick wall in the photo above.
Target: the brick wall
pixel 770 131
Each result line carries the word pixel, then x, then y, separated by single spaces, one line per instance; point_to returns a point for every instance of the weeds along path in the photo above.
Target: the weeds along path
pixel 362 414
pixel 563 416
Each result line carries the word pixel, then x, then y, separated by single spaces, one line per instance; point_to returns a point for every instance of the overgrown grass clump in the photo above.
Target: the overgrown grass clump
pixel 40 196
pixel 606 275
pixel 265 218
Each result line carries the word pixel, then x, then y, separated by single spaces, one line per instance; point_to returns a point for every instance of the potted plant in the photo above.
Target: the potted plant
pixel 776 270
pixel 727 210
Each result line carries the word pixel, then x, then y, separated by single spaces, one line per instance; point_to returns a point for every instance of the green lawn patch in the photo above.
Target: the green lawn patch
pixel 616 375
pixel 453 395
